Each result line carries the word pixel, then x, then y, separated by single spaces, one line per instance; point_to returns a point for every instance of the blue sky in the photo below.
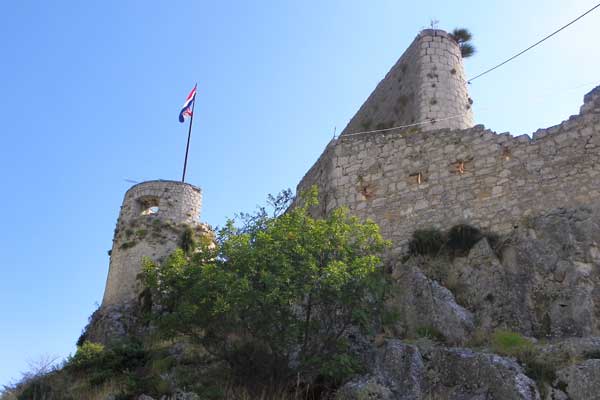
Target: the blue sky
pixel 91 92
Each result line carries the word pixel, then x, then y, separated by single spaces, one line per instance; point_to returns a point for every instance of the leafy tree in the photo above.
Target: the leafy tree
pixel 276 296
pixel 463 37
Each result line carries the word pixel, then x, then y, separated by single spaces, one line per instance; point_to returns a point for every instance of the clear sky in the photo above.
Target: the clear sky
pixel 90 93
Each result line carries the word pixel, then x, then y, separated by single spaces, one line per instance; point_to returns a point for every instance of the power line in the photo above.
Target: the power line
pixel 343 135
pixel 485 107
pixel 536 43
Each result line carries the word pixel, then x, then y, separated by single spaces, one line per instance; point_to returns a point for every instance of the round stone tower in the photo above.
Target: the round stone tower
pixel 153 217
pixel 426 89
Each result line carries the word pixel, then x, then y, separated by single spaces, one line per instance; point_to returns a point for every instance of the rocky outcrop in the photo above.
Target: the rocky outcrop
pixel 113 323
pixel 406 372
pixel 178 395
pixel 580 381
pixel 422 303
pixel 543 280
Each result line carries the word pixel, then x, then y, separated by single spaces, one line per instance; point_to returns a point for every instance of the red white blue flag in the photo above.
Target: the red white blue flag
pixel 186 110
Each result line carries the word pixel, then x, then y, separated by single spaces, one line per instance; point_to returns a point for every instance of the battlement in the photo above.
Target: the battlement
pixel 427 83
pixel 151 222
pixel 408 179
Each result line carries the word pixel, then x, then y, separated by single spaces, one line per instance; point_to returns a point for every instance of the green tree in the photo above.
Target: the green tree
pixel 463 37
pixel 277 295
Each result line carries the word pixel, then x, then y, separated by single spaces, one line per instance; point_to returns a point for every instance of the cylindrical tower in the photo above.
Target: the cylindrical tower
pixel 153 217
pixel 426 89
pixel 443 96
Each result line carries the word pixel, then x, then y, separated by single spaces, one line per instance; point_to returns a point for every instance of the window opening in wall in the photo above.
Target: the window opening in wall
pixel 149 206
pixel 505 153
pixel 417 178
pixel 460 167
pixel 368 191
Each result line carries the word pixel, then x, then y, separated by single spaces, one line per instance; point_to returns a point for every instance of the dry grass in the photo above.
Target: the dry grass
pixel 300 393
pixel 101 392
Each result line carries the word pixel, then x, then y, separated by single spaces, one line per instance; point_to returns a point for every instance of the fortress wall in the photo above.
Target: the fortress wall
pixel 140 232
pixel 426 83
pixel 406 180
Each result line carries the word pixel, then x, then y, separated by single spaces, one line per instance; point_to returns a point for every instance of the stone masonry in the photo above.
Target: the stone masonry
pixel 426 84
pixel 408 179
pixel 151 222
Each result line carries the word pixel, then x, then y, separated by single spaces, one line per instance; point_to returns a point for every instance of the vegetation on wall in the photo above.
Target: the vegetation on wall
pixel 463 37
pixel 456 241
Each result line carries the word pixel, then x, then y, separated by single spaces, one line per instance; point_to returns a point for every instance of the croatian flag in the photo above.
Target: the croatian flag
pixel 187 106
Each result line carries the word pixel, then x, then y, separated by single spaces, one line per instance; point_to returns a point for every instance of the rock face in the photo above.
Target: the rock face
pixel 112 323
pixel 543 280
pixel 424 304
pixel 581 381
pixel 179 395
pixel 404 372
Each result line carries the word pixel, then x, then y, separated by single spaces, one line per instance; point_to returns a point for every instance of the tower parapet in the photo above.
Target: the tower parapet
pixel 153 217
pixel 427 84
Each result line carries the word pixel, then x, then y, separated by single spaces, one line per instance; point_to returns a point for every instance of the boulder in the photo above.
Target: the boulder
pixel 580 381
pixel 422 302
pixel 543 280
pixel 405 372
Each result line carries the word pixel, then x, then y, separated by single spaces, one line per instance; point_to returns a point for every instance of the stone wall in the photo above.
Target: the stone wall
pixel 426 84
pixel 151 222
pixel 408 179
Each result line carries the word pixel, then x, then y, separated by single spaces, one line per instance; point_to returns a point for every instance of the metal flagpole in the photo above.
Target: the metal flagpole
pixel 187 147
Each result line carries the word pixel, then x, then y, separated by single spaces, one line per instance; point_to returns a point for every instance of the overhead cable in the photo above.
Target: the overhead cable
pixel 535 44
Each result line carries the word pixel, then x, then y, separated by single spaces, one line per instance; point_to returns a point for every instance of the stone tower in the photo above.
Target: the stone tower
pixel 153 217
pixel 427 83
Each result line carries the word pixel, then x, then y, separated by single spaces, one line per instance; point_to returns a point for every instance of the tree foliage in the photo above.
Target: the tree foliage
pixel 277 295
pixel 463 37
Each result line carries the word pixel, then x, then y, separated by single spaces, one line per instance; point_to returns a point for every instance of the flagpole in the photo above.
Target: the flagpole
pixel 187 147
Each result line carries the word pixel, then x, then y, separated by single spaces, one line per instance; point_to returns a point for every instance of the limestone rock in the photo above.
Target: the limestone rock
pixel 543 280
pixel 423 303
pixel 581 381
pixel 404 372
pixel 364 388
pixel 569 349
pixel 177 395
pixel 112 323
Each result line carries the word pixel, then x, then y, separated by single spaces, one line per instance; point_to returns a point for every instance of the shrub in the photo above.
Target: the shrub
pixel 37 389
pixel 511 344
pixel 188 240
pixel 429 332
pixel 462 36
pixel 87 354
pixel 457 241
pixel 541 369
pixel 461 238
pixel 98 364
pixel 280 291
pixel 426 242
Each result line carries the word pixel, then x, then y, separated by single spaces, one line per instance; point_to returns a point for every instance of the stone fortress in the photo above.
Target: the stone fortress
pixel 404 174
pixel 409 159
pixel 447 171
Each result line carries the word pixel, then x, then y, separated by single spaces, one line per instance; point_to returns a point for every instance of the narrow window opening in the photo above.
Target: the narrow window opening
pixel 417 178
pixel 149 206
pixel 461 166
